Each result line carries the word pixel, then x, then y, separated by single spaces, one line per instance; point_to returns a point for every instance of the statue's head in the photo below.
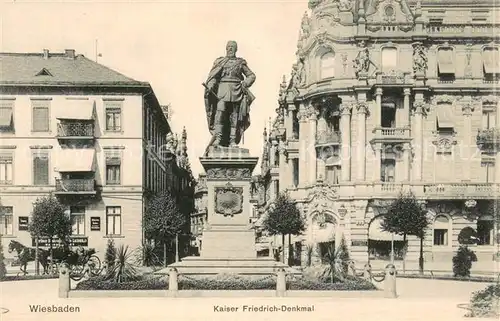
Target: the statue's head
pixel 231 48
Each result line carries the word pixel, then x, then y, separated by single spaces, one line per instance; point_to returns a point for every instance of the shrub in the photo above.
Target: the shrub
pixel 221 282
pixel 147 255
pixel 110 256
pixel 123 270
pixel 462 261
pixel 485 303
pixel 3 270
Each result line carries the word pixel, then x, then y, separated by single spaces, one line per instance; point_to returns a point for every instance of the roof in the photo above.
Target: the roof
pixel 48 69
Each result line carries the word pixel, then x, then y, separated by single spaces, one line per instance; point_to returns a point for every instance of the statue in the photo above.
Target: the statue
pixel 305 27
pixel 362 61
pixel 227 95
pixel 419 59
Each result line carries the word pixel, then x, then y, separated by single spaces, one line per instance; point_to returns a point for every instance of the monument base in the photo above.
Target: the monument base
pixel 248 267
pixel 215 244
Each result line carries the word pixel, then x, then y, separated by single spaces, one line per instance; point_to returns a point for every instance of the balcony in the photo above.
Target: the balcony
pixel 461 190
pixel 393 78
pixel 328 138
pixel 392 135
pixel 488 139
pixel 75 130
pixel 73 186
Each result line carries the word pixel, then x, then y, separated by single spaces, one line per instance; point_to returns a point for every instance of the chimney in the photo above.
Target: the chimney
pixel 45 53
pixel 70 53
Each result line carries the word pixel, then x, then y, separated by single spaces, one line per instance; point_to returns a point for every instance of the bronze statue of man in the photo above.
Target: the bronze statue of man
pixel 227 98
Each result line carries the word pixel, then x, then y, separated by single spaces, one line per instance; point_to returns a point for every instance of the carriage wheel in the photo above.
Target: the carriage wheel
pixel 76 272
pixel 94 265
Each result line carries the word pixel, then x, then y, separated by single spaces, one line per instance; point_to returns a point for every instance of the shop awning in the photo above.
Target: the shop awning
pixel 376 233
pixel 445 61
pixel 77 110
pixel 75 160
pixel 491 61
pixel 445 116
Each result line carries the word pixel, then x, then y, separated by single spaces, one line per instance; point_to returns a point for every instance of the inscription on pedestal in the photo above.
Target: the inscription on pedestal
pixel 229 173
pixel 228 200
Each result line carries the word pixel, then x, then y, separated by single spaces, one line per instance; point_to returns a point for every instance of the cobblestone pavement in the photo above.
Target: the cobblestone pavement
pixel 418 300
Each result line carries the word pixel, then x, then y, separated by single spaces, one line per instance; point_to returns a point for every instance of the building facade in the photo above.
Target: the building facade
pixel 92 137
pixel 389 97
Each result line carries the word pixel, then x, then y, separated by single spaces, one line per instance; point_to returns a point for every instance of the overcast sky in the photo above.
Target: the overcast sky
pixel 171 44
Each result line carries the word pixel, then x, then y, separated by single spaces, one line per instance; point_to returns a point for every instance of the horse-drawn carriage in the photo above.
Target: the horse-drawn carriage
pixel 80 261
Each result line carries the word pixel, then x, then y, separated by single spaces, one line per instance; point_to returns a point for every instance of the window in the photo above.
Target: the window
pixel 388 115
pixel 327 65
pixel 389 59
pixel 113 169
pixel 113 220
pixel 388 166
pixel 113 115
pixel 332 174
pixel 441 227
pixel 41 169
pixel 6 116
pixel 40 116
pixel 491 61
pixel 445 117
pixel 489 119
pixel 6 220
pixel 6 169
pixel 446 66
pixel 295 164
pixel 77 215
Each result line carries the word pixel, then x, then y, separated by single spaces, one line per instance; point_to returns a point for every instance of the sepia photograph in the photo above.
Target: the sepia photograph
pixel 249 160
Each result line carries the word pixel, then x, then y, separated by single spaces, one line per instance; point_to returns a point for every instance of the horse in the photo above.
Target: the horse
pixel 27 254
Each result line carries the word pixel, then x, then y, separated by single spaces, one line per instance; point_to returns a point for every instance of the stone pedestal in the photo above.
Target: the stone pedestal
pixel 228 237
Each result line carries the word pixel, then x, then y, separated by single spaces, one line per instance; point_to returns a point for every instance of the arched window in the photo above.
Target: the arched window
pixel 327 65
pixel 441 231
pixel 389 59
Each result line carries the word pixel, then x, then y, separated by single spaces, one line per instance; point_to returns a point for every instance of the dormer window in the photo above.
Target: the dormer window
pixel 491 62
pixel 446 64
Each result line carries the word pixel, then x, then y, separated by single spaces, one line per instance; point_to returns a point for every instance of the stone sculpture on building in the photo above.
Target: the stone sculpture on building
pixel 362 61
pixel 419 58
pixel 227 94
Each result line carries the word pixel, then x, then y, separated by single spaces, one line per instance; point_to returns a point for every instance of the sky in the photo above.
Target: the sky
pixel 170 44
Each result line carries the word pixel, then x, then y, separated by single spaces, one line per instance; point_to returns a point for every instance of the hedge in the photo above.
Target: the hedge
pixel 207 283
pixel 28 277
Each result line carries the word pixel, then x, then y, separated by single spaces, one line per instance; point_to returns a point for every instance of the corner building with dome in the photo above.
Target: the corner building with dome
pixel 389 96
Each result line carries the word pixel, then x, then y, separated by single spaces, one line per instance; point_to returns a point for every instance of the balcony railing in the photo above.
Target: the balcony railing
pixel 394 78
pixel 469 190
pixel 75 186
pixel 328 137
pixel 401 133
pixel 77 129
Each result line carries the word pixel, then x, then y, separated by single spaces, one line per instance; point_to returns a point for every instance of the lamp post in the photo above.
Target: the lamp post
pixel 392 248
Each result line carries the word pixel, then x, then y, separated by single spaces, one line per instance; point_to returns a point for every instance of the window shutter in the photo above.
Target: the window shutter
pixel 40 115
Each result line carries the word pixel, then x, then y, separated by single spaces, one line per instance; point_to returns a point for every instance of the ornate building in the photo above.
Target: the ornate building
pixel 389 96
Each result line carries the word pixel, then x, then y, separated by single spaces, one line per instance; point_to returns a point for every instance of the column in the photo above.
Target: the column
pixel 302 147
pixel 345 132
pixel 378 110
pixel 283 169
pixel 406 107
pixel 497 157
pixel 377 163
pixel 406 162
pixel 467 109
pixel 361 144
pixel 418 138
pixel 272 156
pixel 289 122
pixel 311 149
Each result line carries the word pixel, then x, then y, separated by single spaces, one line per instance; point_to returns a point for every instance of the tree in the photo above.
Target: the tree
pixel 284 218
pixel 406 216
pixel 163 220
pixel 49 220
pixel 3 270
pixel 110 256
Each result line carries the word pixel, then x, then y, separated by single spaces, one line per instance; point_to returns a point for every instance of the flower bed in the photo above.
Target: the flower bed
pixel 485 279
pixel 27 277
pixel 222 283
pixel 485 303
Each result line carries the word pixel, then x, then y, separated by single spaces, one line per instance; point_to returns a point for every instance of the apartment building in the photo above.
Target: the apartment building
pixel 390 96
pixel 95 139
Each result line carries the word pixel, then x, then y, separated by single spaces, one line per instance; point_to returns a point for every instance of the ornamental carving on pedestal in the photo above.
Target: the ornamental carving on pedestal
pixel 228 200
pixel 229 173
